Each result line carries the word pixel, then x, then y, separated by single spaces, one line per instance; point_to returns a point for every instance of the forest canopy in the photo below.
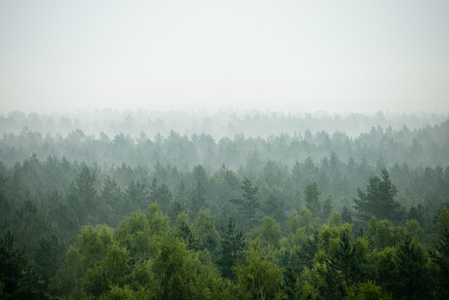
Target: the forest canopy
pixel 286 211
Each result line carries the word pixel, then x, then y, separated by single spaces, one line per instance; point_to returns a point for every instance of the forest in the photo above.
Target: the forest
pixel 227 206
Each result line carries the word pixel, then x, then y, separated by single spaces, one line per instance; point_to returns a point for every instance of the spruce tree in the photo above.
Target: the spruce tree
pixel 379 200
pixel 17 276
pixel 413 276
pixel 312 197
pixel 441 256
pixel 231 250
pixel 249 204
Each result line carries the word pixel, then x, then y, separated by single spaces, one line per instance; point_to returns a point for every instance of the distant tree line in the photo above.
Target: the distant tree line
pixel 380 147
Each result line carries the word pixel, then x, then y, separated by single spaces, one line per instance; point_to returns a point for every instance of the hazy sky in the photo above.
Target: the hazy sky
pixel 282 55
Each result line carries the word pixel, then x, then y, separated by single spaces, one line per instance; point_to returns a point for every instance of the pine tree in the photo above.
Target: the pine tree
pixel 18 279
pixel 342 268
pixel 346 215
pixel 441 256
pixel 304 256
pixel 182 230
pixel 231 250
pixel 249 203
pixel 312 197
pixel 379 200
pixel 413 277
pixel 198 199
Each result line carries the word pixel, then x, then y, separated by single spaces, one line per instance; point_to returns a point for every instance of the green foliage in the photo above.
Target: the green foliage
pixel 385 268
pixel 413 276
pixel 274 207
pixel 384 233
pixel 86 194
pixel 327 208
pixel 231 250
pixel 378 201
pixel 184 232
pixel 249 203
pixel 198 198
pixel 94 242
pixel 344 267
pixel 46 202
pixel 49 256
pixel 92 246
pixel 29 225
pixel 122 293
pixel 330 236
pixel 441 255
pixel 302 219
pixel 204 229
pixel 260 276
pixel 137 195
pixel 70 278
pixel 304 256
pixel 290 285
pixel 335 219
pixel 367 291
pixel 312 198
pixel 346 215
pixel 17 277
pixel 134 232
pixel 180 275
pixel 271 232
pixel 108 272
pixel 158 222
pixel 161 195
pixel 413 229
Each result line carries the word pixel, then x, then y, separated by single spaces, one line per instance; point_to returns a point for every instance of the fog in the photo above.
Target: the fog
pixel 224 149
pixel 220 124
pixel 288 56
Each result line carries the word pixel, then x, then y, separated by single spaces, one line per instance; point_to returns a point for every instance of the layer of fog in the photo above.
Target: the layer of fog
pixel 217 124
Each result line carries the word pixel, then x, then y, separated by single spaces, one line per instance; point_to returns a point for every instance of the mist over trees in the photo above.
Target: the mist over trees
pixel 142 205
pixel 218 124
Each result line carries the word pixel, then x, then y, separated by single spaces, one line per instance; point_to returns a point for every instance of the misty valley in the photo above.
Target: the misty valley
pixel 230 205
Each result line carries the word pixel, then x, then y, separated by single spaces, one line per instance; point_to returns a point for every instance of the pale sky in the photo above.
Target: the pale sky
pixel 337 56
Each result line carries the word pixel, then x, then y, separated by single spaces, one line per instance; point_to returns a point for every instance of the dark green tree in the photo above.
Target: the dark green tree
pixel 63 217
pixel 312 198
pixel 28 224
pixel 379 200
pixel 342 269
pixel 48 256
pixel 204 229
pixel 17 277
pixel 289 285
pixel 270 232
pixel 183 231
pixel 161 195
pixel 249 204
pixel 87 192
pixel 327 209
pixel 303 257
pixel 231 250
pixel 441 256
pixel 274 207
pixel 137 195
pixel 112 195
pixel 346 215
pixel 179 203
pixel 413 279
pixel 108 272
pixel 198 201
